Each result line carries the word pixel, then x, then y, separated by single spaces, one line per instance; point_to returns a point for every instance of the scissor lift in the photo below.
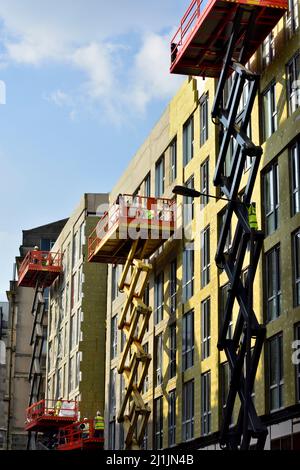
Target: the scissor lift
pixel 38 271
pixel 129 233
pixel 80 436
pixel 215 39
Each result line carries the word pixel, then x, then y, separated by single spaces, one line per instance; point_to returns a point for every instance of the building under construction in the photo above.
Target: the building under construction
pixel 186 290
pixel 202 308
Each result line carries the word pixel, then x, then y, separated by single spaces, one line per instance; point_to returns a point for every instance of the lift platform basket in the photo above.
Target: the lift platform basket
pixel 46 415
pixel 200 42
pixel 131 218
pixel 80 436
pixel 39 266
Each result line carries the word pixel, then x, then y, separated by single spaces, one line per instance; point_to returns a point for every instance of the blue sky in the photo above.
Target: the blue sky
pixel 86 80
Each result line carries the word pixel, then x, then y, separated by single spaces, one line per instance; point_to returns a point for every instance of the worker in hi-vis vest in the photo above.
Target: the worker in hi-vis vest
pixel 99 425
pixel 252 219
pixel 58 405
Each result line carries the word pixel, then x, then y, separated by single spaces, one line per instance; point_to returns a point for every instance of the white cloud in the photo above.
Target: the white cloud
pixel 93 39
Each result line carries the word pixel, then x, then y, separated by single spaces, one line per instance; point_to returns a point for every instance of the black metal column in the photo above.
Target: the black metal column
pixel 243 350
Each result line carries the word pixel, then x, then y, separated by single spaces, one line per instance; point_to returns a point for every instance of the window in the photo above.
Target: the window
pixel 145 438
pixel 73 331
pixel 172 418
pixel 296 261
pixel 222 217
pixel 273 289
pixel 188 204
pixel 75 248
pixel 114 282
pixel 203 119
pixel 160 177
pixel 173 160
pixel 173 286
pixel 271 198
pixel 81 239
pixel 112 435
pixel 205 404
pixel 204 183
pixel 225 376
pixel 112 393
pixel 78 326
pixel 77 377
pixel 188 340
pixel 292 17
pixel 297 338
pixel 269 111
pixel 295 176
pixel 223 301
pixel 158 423
pixel 172 346
pixel 188 141
pixel 268 50
pixel 146 381
pixel 293 82
pixel 205 256
pixel 188 272
pixel 205 328
pixel 114 337
pixel 275 372
pixel 159 298
pixel 72 373
pixel 158 345
pixel 148 185
pixel 188 410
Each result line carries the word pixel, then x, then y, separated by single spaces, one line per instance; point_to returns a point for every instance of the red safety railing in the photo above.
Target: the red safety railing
pixel 78 434
pixel 52 409
pixel 128 209
pixel 40 259
pixel 188 23
pixel 197 9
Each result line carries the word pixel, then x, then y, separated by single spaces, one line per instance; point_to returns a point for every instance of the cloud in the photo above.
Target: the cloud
pixel 119 50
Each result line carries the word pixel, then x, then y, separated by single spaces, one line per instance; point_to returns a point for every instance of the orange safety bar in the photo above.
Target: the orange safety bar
pixel 40 259
pixel 78 434
pixel 51 408
pixel 198 8
pixel 130 208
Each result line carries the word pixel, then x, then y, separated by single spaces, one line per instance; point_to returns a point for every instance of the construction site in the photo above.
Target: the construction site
pixel 165 314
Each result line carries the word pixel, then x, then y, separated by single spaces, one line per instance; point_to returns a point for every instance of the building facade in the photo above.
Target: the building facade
pixel 3 345
pixel 18 348
pixel 188 377
pixel 77 311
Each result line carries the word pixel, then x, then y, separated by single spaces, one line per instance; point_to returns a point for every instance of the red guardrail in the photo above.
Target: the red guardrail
pixel 40 259
pixel 197 8
pixel 75 435
pixel 130 208
pixel 51 408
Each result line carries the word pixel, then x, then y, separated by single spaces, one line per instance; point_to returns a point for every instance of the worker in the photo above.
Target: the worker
pixel 85 426
pixel 35 254
pixel 58 406
pixel 252 220
pixel 98 425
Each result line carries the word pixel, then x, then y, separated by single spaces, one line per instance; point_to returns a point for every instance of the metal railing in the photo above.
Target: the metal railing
pixel 40 259
pixel 51 408
pixel 76 434
pixel 129 209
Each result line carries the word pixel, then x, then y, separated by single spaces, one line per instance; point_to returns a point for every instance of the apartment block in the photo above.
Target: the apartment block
pixel 189 377
pixel 77 315
pixel 18 348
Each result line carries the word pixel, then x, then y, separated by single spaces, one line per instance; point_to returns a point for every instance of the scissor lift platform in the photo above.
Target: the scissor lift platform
pixel 200 43
pixel 75 437
pixel 131 218
pixel 41 266
pixel 43 416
